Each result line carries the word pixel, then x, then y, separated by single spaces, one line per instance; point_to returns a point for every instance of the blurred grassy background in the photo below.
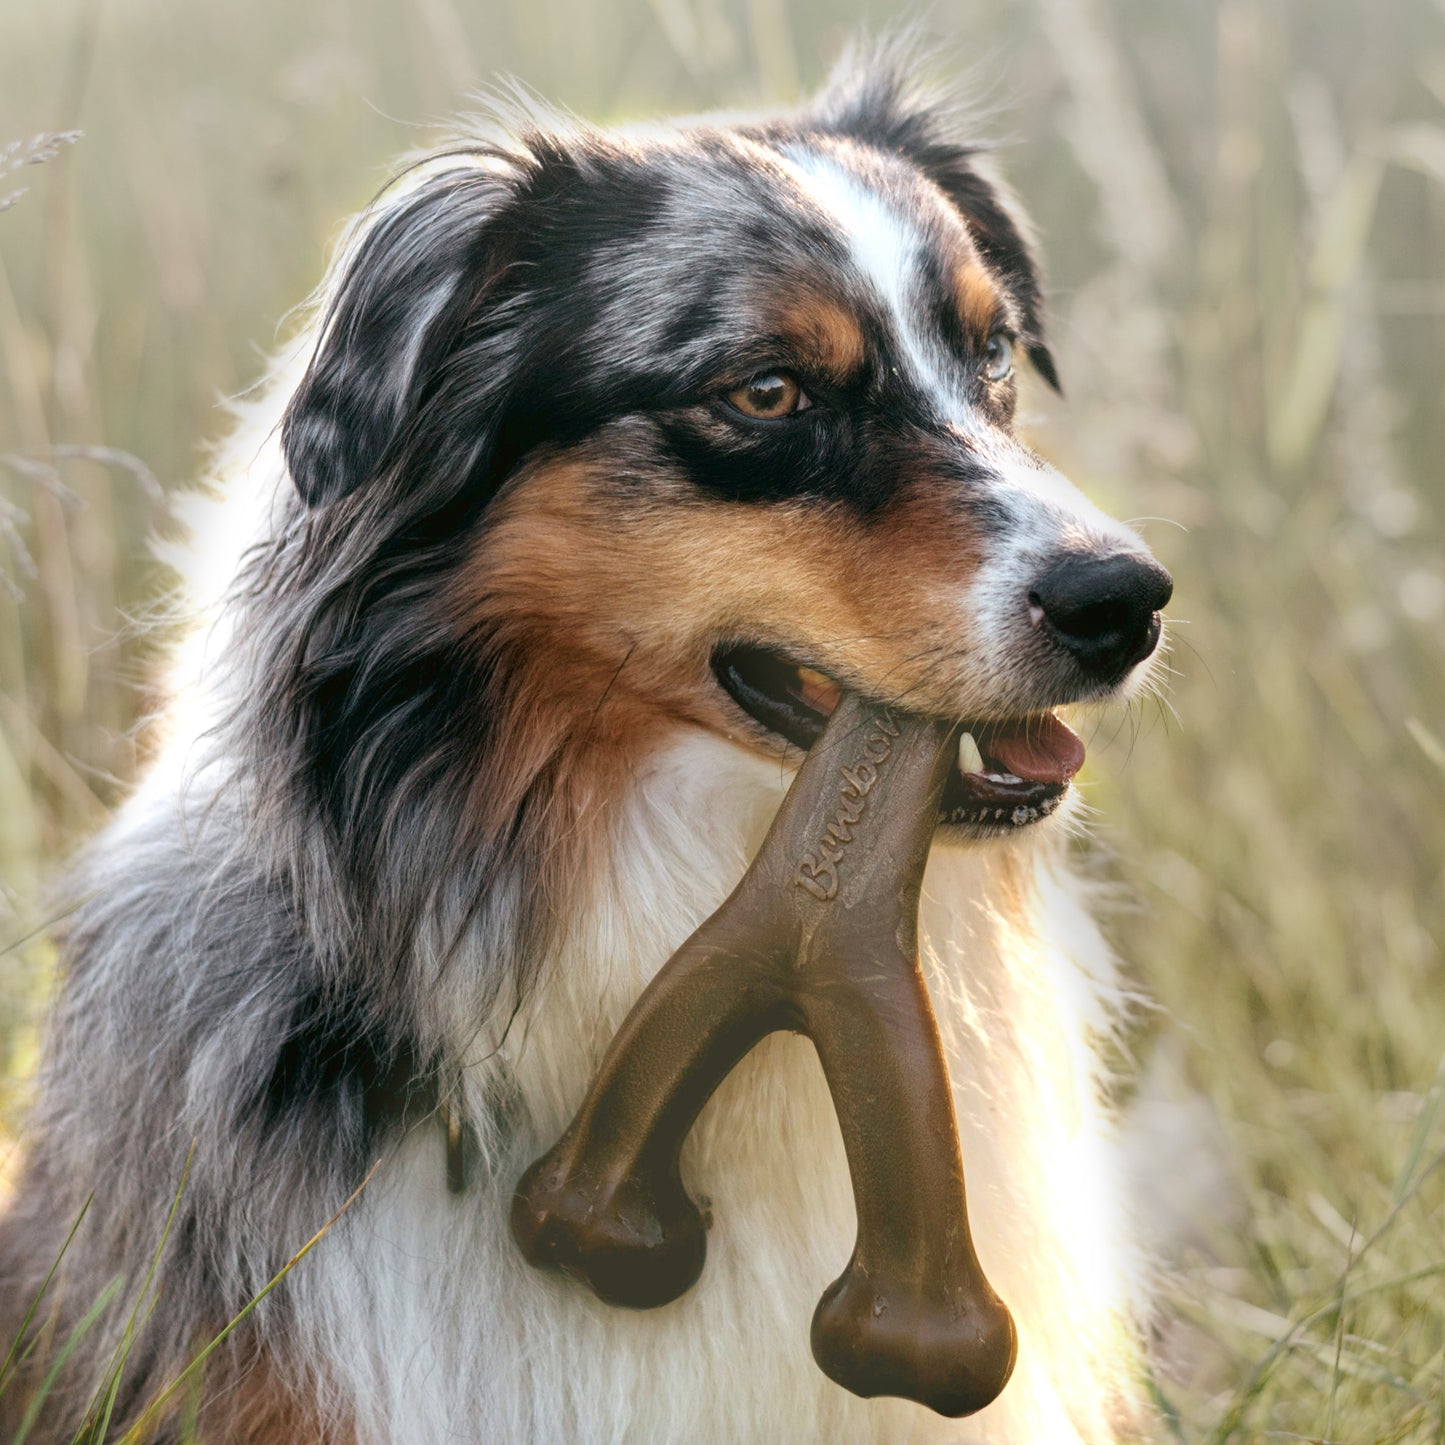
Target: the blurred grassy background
pixel 1242 206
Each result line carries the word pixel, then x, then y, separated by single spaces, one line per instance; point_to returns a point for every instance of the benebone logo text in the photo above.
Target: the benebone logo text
pixel 818 871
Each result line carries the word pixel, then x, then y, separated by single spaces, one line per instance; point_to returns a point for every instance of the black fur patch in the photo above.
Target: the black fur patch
pixel 338 1061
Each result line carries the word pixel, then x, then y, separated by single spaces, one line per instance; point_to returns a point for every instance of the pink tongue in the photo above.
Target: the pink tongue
pixel 1041 749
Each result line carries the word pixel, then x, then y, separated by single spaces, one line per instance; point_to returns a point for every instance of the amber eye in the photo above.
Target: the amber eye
pixel 998 357
pixel 768 396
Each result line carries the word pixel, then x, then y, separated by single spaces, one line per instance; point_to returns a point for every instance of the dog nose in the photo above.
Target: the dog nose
pixel 1103 610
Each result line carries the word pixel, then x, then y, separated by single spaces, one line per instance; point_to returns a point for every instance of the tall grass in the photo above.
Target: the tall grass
pixel 1242 204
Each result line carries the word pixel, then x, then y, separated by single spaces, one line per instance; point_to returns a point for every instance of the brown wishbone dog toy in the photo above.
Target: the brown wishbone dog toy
pixel 821 938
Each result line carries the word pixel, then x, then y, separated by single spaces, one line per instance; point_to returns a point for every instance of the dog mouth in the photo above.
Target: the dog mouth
pixel 1010 772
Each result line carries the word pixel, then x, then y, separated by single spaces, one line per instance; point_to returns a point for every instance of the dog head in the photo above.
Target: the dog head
pixel 611 435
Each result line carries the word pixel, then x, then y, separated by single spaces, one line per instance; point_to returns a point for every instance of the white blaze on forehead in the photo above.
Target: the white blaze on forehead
pixel 885 248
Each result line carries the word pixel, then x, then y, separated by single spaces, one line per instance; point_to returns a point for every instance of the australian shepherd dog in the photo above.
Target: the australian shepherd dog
pixel 610 459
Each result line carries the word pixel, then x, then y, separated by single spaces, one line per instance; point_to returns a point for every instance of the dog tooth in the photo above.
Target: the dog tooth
pixel 1021 815
pixel 970 760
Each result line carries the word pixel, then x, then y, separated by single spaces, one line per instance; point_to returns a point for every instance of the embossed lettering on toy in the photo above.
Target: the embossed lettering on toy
pixel 818 871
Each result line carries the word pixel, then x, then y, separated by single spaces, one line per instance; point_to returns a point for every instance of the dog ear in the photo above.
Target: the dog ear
pixel 876 98
pixel 406 292
pixel 1001 234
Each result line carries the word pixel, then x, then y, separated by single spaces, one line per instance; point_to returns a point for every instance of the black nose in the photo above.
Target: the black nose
pixel 1104 610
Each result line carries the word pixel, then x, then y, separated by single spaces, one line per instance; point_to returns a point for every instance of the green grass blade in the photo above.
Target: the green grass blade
pixel 11 1361
pixel 82 1328
pixel 94 1429
pixel 136 1434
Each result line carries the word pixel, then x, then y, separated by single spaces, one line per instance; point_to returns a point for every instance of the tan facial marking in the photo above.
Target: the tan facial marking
pixel 977 299
pixel 600 595
pixel 825 334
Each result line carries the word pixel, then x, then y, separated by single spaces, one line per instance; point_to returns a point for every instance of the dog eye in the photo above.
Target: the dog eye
pixel 771 395
pixel 998 357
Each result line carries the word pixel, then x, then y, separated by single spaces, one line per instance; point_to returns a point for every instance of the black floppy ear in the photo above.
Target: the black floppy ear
pixel 404 297
pixel 875 97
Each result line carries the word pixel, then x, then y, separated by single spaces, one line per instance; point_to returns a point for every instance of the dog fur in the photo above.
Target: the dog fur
pixel 446 776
